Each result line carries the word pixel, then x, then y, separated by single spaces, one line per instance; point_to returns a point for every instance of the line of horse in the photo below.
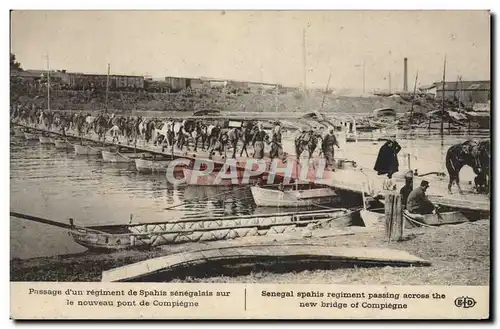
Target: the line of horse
pixel 211 136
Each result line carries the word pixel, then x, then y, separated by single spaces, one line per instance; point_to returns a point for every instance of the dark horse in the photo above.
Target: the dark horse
pixel 306 140
pixel 473 154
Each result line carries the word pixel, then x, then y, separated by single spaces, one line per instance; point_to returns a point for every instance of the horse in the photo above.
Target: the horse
pixel 469 153
pixel 249 131
pixel 199 132
pixel 306 140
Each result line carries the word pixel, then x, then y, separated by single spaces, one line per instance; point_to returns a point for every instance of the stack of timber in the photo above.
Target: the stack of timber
pixel 289 255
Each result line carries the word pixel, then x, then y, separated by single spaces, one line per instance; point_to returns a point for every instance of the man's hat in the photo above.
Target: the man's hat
pixel 409 174
pixel 424 183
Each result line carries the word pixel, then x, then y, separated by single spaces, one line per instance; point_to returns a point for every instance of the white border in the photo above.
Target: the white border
pixel 184 4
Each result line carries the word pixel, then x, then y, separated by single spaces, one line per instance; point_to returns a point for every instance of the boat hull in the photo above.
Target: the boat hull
pixel 147 235
pixel 86 150
pixel 199 178
pixel 18 133
pixel 148 166
pixel 62 144
pixel 117 157
pixel 45 140
pixel 264 197
pixel 30 136
pixel 415 220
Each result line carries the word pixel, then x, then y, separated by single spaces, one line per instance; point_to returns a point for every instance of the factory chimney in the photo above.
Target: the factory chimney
pixel 405 75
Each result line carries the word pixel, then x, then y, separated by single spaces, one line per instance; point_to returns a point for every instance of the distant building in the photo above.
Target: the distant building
pixel 469 92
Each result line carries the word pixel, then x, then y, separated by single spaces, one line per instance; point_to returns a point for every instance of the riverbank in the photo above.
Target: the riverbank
pixel 460 255
pixel 213 100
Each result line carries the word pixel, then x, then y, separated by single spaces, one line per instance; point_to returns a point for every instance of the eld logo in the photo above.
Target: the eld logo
pixel 465 302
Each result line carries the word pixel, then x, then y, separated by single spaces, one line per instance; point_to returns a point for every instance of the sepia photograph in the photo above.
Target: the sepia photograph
pixel 251 147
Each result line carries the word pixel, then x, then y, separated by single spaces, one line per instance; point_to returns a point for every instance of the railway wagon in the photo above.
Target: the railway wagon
pixel 175 84
pixel 80 81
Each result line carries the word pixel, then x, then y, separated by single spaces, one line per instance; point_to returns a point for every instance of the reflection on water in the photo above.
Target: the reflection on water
pixel 59 185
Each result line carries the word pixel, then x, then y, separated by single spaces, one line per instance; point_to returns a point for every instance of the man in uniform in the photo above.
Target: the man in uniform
pixel 418 203
pixel 407 188
pixel 258 142
pixel 328 147
pixel 276 146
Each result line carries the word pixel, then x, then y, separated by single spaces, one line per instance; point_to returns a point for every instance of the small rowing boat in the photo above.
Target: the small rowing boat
pixel 272 197
pixel 150 165
pixel 415 220
pixel 45 140
pixel 62 144
pixel 86 150
pixel 30 136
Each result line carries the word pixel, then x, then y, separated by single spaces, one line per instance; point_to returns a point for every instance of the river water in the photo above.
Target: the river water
pixel 59 185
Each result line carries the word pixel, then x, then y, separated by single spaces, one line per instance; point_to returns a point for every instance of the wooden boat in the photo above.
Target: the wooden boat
pixel 415 220
pixel 216 179
pixel 18 133
pixel 271 197
pixel 30 136
pixel 150 165
pixel 86 150
pixel 119 157
pixel 146 235
pixel 45 140
pixel 62 144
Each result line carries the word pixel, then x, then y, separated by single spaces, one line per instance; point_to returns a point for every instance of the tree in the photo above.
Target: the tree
pixel 14 66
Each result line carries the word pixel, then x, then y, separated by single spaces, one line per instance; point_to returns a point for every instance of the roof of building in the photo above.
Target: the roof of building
pixel 464 85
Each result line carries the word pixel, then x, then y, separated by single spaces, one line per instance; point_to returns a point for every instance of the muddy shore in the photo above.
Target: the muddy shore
pixel 460 255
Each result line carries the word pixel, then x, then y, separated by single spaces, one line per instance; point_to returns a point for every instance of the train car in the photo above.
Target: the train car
pixel 177 84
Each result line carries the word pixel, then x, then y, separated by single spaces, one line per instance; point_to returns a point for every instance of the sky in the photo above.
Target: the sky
pixel 261 46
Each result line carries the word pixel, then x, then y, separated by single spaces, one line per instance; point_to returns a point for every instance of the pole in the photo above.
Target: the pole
pixel 277 99
pixel 107 90
pixel 390 83
pixel 443 94
pixel 304 57
pixel 326 89
pixel 413 98
pixel 48 83
pixel 364 75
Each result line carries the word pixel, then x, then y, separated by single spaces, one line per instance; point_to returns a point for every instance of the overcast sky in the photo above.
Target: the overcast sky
pixel 260 46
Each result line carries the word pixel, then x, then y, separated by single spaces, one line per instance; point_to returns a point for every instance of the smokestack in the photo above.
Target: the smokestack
pixel 405 75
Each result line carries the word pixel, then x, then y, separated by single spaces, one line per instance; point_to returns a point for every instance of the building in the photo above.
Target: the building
pixel 469 92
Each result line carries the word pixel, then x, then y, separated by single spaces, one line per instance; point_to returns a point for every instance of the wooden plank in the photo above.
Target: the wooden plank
pixel 296 252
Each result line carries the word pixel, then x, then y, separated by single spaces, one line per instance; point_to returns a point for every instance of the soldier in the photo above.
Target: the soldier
pixel 328 147
pixel 276 146
pixel 258 142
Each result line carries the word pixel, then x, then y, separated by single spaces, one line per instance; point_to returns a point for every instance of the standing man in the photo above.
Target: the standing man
pixel 328 147
pixel 276 146
pixel 418 203
pixel 258 142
